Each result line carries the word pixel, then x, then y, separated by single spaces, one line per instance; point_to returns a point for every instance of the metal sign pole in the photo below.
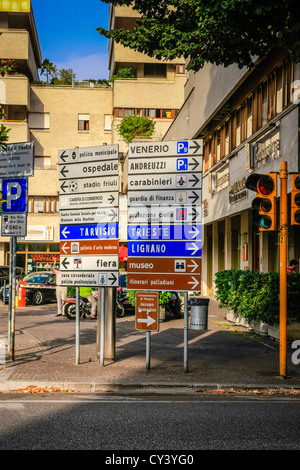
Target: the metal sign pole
pixel 77 328
pixel 9 292
pixel 185 333
pixel 13 299
pixel 102 324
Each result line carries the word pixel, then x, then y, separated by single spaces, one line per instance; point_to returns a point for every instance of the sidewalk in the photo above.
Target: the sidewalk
pixel 223 357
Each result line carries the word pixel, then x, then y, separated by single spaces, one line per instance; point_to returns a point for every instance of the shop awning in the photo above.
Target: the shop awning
pixel 123 253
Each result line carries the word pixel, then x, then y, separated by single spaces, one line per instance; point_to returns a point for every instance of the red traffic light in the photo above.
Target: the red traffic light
pixel 265 187
pixel 295 200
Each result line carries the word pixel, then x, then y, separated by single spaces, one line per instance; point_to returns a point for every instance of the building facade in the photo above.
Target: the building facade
pixel 82 115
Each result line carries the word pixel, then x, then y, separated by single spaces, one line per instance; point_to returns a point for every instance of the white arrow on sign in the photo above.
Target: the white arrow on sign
pixel 195 282
pixel 194 265
pixel 194 232
pixel 65 232
pixel 149 320
pixel 193 247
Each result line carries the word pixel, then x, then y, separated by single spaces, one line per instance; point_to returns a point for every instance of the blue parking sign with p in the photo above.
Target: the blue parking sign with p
pixel 182 147
pixel 14 195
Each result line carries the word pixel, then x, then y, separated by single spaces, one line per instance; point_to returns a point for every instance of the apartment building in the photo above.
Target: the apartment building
pixel 250 123
pixel 61 117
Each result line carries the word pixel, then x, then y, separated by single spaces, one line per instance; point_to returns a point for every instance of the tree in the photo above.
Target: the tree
pixel 48 69
pixel 220 31
pixel 65 77
pixel 3 132
pixel 135 126
pixel 124 72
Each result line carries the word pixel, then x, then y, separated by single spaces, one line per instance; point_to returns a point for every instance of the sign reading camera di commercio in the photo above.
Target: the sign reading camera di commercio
pixel 164 215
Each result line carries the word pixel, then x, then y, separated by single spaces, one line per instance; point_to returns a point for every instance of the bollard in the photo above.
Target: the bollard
pixel 21 294
pixel 199 314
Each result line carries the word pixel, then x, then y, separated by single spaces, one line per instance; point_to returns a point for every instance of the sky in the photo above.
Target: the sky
pixel 67 36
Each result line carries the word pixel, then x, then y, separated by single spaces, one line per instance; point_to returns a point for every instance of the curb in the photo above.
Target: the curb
pixel 157 388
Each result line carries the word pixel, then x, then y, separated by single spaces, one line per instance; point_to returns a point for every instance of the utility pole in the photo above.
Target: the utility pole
pixel 283 238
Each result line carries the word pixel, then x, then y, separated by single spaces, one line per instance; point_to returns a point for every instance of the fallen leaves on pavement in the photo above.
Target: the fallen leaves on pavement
pixel 35 389
pixel 251 392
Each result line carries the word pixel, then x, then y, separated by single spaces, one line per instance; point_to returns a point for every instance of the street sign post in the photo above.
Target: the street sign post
pixel 89 224
pixel 147 317
pixel 16 164
pixel 89 215
pixel 164 215
pixel 17 160
pixel 165 218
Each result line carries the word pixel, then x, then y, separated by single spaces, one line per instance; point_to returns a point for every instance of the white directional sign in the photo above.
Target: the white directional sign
pixel 89 200
pixel 79 201
pixel 169 214
pixel 89 216
pixel 167 149
pixel 89 185
pixel 90 278
pixel 186 197
pixel 89 263
pixel 17 160
pixel 164 181
pixel 164 215
pixel 166 165
pixel 88 154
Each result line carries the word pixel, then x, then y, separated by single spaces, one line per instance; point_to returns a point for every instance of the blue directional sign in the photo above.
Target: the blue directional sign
pixel 165 232
pixel 164 248
pixel 89 232
pixel 14 195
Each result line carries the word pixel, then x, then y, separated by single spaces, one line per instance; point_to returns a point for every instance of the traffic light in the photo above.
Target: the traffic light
pixel 295 200
pixel 264 205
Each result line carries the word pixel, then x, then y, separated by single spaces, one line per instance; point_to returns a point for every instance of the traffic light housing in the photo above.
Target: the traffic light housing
pixel 264 205
pixel 295 200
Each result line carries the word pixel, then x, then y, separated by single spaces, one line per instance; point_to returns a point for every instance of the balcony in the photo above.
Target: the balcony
pixel 19 131
pixel 16 44
pixel 15 90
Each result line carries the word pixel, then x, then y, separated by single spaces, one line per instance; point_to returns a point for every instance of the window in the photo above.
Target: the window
pixel 279 94
pixel 155 70
pixel 42 204
pixel 146 112
pixel 179 68
pixel 39 120
pixel 249 117
pixel 83 122
pixel 129 112
pixel 238 128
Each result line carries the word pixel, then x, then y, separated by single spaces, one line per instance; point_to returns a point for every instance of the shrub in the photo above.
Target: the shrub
pixel 255 295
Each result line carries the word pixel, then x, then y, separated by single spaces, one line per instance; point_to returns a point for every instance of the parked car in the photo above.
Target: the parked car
pixel 4 281
pixel 40 287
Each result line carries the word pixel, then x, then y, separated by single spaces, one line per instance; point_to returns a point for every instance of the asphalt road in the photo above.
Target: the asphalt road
pixel 153 423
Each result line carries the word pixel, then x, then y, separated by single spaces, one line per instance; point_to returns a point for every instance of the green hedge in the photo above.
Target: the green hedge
pixel 255 295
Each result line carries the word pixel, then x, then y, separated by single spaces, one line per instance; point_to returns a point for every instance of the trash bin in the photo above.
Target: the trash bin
pixel 199 314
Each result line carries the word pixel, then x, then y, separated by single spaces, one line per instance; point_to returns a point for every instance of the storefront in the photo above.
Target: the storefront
pixel 37 251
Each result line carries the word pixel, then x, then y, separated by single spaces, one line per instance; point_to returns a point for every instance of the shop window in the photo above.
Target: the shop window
pixel 83 122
